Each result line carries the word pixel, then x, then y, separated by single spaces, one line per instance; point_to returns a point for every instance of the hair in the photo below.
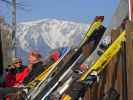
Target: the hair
pixel 35 54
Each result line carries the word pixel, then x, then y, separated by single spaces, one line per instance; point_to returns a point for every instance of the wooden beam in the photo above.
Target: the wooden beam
pixel 129 58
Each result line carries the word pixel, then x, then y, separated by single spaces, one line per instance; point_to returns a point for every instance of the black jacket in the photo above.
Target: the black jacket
pixel 37 69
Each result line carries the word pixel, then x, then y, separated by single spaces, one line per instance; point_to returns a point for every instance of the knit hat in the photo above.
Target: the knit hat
pixel 16 59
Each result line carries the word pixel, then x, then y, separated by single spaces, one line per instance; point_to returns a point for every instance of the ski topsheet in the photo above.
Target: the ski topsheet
pixel 64 67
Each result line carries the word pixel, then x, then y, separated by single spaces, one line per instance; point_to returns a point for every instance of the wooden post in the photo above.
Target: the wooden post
pixel 129 58
pixel 13 27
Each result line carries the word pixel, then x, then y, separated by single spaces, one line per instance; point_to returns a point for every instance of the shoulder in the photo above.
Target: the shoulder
pixel 37 66
pixel 40 63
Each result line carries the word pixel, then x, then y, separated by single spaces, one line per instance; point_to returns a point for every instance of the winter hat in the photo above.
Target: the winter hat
pixel 16 59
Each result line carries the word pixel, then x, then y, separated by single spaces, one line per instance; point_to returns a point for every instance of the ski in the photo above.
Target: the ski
pixel 95 24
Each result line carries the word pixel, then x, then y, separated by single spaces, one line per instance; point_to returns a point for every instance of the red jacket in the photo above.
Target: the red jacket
pixel 55 55
pixel 10 80
pixel 13 79
pixel 20 76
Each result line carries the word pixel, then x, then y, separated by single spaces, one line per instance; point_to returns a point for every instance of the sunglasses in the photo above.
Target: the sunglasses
pixel 18 62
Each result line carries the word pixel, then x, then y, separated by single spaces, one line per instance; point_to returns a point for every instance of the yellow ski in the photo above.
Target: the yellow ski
pixel 106 56
pixel 95 25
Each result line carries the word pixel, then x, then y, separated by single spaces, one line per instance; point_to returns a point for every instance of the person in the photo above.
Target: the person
pixel 21 71
pixel 55 55
pixel 16 72
pixel 35 66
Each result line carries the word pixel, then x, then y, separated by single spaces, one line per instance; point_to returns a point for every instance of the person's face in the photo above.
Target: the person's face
pixel 32 59
pixel 18 64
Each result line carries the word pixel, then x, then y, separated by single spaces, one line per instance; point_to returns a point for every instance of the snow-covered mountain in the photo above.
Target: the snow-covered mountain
pixel 44 35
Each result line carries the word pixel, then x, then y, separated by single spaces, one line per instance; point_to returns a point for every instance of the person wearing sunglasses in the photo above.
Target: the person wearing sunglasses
pixel 16 72
pixel 21 71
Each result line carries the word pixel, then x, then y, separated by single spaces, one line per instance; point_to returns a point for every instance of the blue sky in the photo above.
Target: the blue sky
pixel 74 10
